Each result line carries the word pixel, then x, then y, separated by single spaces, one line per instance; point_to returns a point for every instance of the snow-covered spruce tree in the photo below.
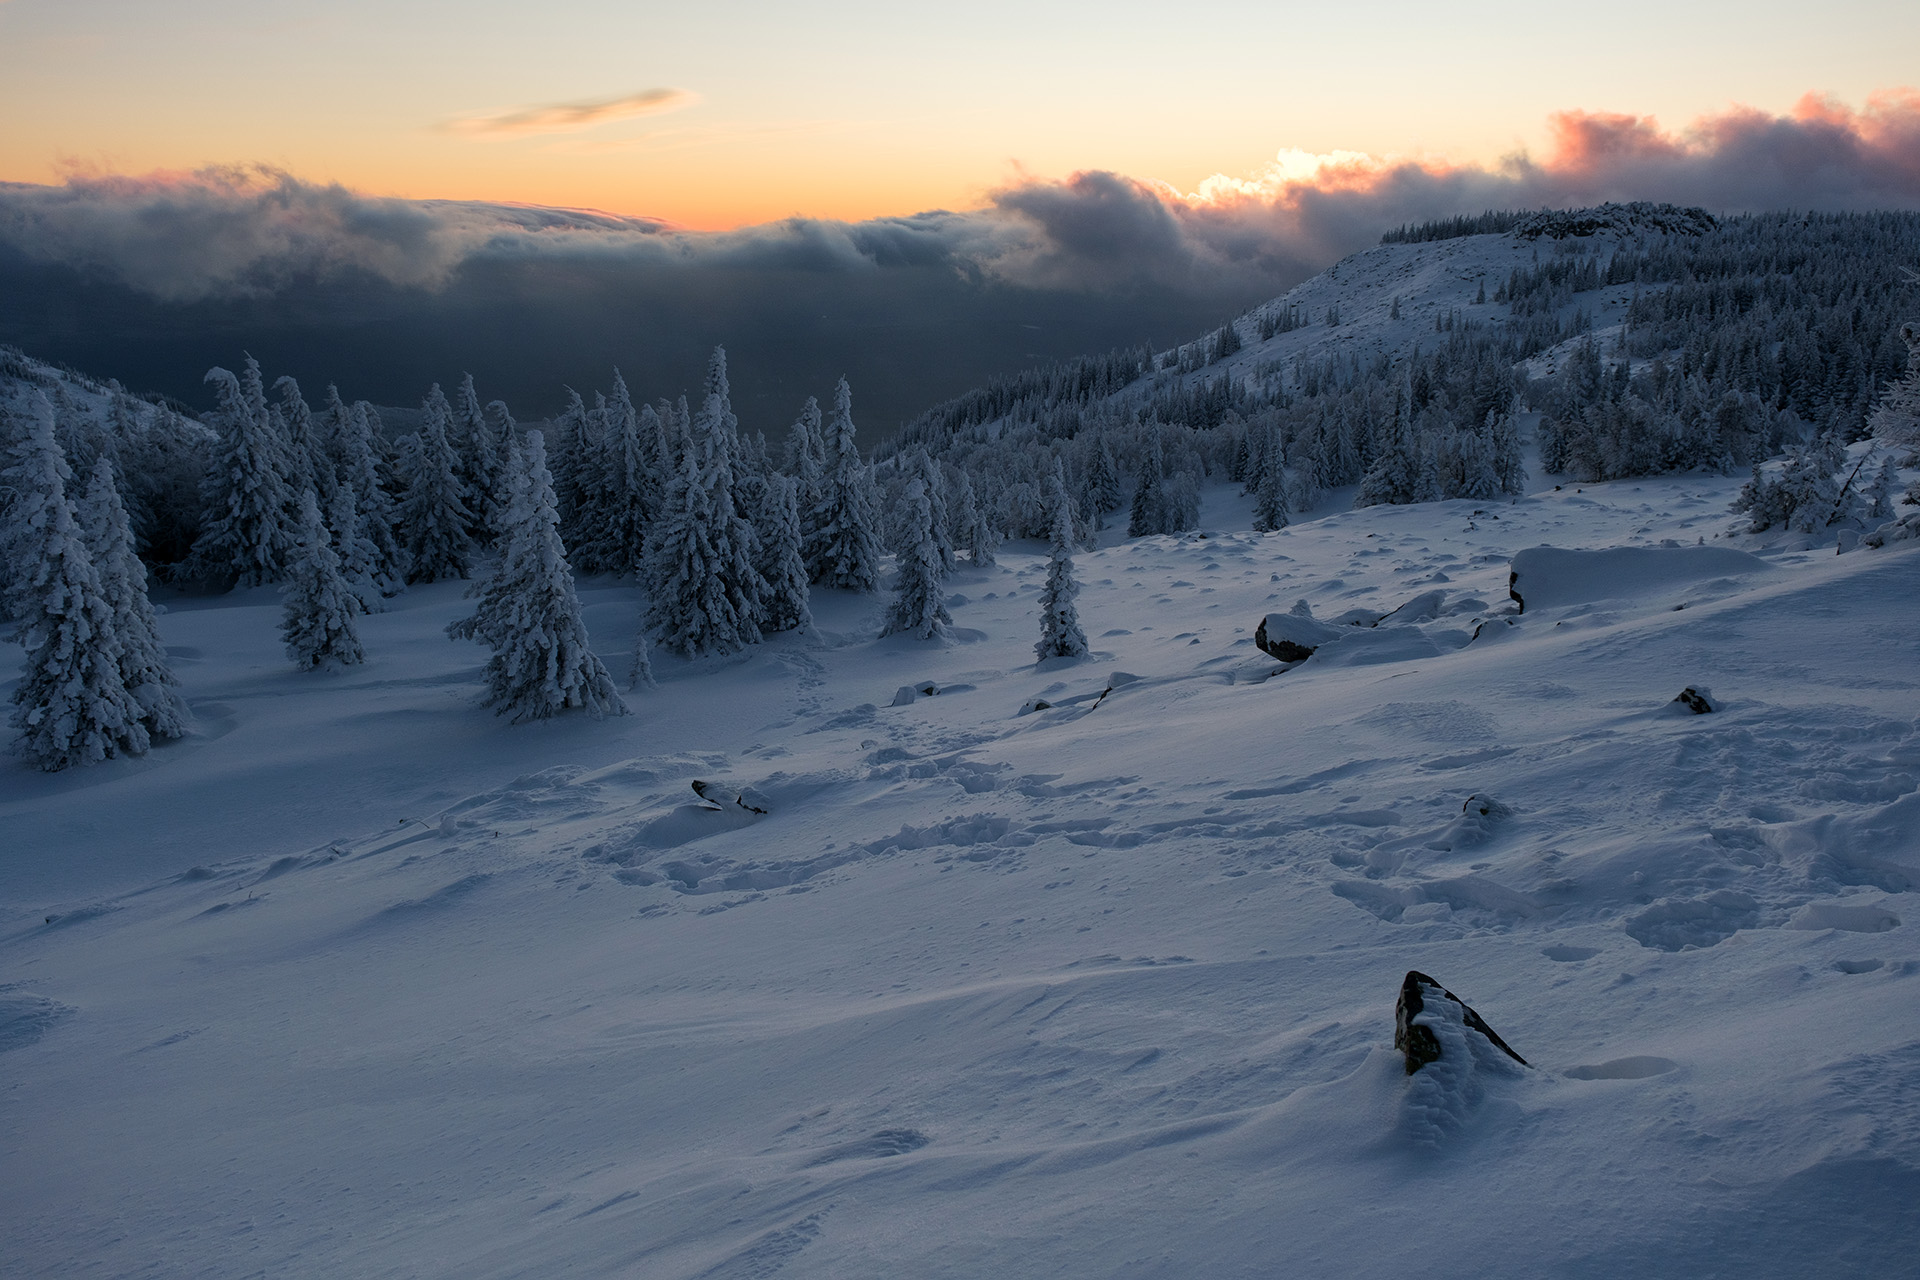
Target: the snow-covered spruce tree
pixel 433 513
pixel 1395 476
pixel 1148 512
pixel 79 433
pixel 360 451
pixel 594 497
pixel 478 460
pixel 330 429
pixel 308 463
pixel 974 531
pixel 844 550
pixel 658 461
pixel 71 706
pixel 359 558
pixel 144 669
pixel 1879 494
pixel 1270 495
pixel 1478 464
pixel 689 610
pixel 929 471
pixel 1060 633
pixel 616 503
pixel 1102 481
pixel 570 448
pixel 14 532
pixel 1896 417
pixel 244 535
pixel 784 605
pixel 805 457
pixel 735 542
pixel 1805 496
pixel 529 613
pixel 318 607
pixel 919 607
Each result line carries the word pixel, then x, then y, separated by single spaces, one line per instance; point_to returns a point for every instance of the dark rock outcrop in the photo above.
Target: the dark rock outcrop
pixel 1417 1042
pixel 1695 700
pixel 1292 637
pixel 723 797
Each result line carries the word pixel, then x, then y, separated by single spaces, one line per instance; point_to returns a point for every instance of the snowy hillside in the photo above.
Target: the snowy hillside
pixel 360 980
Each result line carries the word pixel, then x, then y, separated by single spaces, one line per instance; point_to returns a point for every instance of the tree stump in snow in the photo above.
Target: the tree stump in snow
pixel 1417 1042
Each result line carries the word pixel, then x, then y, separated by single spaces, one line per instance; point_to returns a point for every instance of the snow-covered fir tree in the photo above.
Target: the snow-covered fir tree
pixel 1509 461
pixel 1804 496
pixel 481 459
pixel 359 558
pixel 1395 476
pixel 689 609
pixel 571 448
pixel 716 441
pixel 1896 416
pixel 317 606
pixel 360 451
pixel 784 604
pixel 71 706
pixel 973 527
pixel 1148 512
pixel 144 668
pixel 919 607
pixel 844 550
pixel 1477 465
pixel 330 429
pixel 617 494
pixel 1060 633
pixel 1270 503
pixel 1880 491
pixel 529 612
pixel 244 535
pixel 1101 481
pixel 434 518
pixel 805 457
pixel 929 471
pixel 308 464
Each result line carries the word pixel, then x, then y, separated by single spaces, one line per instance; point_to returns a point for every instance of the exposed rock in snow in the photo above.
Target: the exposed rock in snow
pixel 1424 1010
pixel 724 797
pixel 1695 700
pixel 1292 637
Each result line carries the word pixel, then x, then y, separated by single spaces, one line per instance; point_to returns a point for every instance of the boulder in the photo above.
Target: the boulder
pixel 1292 637
pixel 1418 1041
pixel 1698 701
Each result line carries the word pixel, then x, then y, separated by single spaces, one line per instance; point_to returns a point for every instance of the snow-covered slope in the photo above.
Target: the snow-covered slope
pixel 361 981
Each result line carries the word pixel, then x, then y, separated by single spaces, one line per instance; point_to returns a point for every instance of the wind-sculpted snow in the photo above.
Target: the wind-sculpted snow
pixel 1105 988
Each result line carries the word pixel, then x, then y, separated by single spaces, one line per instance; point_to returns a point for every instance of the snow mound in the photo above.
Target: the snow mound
pixel 1552 577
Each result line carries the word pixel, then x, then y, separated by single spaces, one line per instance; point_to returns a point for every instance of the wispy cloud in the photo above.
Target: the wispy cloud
pixel 567 117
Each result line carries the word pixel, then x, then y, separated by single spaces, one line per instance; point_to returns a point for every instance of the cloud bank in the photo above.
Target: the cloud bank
pixel 152 279
pixel 246 231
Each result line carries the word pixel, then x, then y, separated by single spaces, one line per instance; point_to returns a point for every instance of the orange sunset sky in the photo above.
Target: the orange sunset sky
pixel 715 116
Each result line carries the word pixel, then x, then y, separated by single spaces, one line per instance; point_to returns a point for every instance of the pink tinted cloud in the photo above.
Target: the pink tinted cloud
pixel 251 229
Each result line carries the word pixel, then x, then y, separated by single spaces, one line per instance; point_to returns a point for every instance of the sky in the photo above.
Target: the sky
pixel 725 115
pixel 919 197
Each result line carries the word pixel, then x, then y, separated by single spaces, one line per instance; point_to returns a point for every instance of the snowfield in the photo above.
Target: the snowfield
pixel 361 980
